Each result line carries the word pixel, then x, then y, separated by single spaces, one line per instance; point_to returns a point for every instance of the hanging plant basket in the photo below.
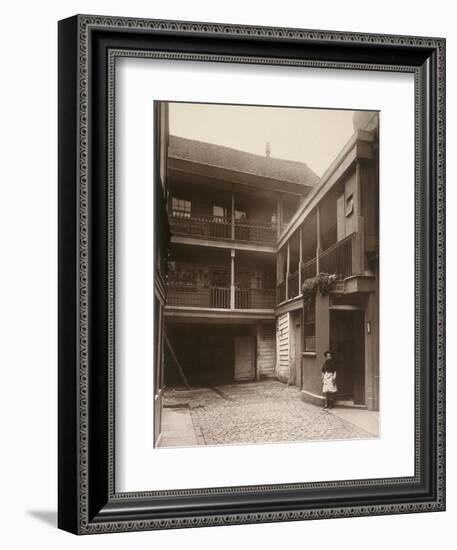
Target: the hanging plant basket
pixel 321 283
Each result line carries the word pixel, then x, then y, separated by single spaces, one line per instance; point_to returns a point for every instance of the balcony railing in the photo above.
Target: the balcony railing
pixel 201 226
pixel 189 296
pixel 293 289
pixel 281 292
pixel 308 269
pixel 193 296
pixel 255 232
pixel 253 298
pixel 338 258
pixel 242 298
pixel 262 299
pixel 219 297
pixel 213 227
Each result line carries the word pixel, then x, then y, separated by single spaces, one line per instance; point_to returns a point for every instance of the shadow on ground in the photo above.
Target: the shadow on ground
pixel 45 516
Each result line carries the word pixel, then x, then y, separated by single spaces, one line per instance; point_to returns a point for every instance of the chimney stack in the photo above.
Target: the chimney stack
pixel 267 149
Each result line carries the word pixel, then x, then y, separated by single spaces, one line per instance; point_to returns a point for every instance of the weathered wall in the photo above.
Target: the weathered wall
pixel 312 364
pixel 283 348
pixel 266 349
pixel 346 219
pixel 372 352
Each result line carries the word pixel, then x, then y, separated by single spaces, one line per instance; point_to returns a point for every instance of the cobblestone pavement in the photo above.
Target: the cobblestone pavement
pixel 258 412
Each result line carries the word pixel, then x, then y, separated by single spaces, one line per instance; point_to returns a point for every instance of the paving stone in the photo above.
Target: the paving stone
pixel 259 412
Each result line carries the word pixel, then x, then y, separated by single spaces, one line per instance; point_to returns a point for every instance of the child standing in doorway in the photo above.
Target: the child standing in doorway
pixel 328 378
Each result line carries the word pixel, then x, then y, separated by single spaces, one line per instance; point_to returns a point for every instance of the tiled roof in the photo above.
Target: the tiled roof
pixel 240 161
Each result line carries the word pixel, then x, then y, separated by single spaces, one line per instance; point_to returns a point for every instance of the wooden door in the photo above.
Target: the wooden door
pixel 244 358
pixel 347 342
pixel 298 348
pixel 358 332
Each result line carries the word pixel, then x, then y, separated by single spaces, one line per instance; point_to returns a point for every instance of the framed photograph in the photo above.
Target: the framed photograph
pixel 251 274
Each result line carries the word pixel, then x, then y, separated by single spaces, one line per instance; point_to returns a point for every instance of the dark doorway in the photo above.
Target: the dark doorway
pixel 206 353
pixel 347 342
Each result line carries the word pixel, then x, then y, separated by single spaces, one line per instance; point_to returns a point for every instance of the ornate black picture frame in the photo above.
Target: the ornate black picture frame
pixel 88 501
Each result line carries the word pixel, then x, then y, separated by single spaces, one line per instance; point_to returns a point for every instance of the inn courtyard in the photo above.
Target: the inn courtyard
pixel 255 412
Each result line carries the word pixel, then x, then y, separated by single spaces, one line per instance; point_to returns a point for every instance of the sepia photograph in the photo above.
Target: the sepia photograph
pixel 266 290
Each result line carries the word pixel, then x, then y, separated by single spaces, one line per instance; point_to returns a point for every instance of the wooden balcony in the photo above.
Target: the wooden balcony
pixel 212 227
pixel 207 227
pixel 253 298
pixel 219 297
pixel 337 259
pixel 281 292
pixel 309 269
pixel 293 289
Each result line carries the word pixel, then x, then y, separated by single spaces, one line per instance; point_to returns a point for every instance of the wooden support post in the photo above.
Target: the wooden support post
pixel 287 270
pixel 233 216
pixel 358 249
pixel 279 215
pixel 175 359
pixel 300 259
pixel 232 279
pixel 318 238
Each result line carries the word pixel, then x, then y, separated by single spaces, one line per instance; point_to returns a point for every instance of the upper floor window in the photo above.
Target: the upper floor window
pixel 219 212
pixel 240 215
pixel 181 208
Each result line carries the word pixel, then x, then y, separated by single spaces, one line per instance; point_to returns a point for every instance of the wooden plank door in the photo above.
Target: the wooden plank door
pixel 359 357
pixel 298 348
pixel 244 358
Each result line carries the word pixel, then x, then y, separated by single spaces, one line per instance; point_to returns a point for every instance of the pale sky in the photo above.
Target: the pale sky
pixel 313 136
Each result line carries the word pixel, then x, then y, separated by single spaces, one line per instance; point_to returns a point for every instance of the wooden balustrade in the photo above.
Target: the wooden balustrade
pixel 201 226
pixel 338 258
pixel 189 296
pixel 262 298
pixel 308 270
pixel 219 297
pixel 255 232
pixel 242 298
pixel 281 292
pixel 293 285
pixel 213 227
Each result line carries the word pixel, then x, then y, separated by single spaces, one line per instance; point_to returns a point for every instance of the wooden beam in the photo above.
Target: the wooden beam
pixel 300 258
pixel 233 215
pixel 318 238
pixel 287 270
pixel 218 243
pixel 232 279
pixel 278 215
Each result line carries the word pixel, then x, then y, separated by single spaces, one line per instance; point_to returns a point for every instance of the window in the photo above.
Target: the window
pixel 181 274
pixel 220 278
pixel 219 212
pixel 309 328
pixel 240 215
pixel 349 205
pixel 181 208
